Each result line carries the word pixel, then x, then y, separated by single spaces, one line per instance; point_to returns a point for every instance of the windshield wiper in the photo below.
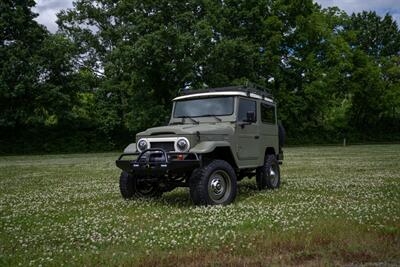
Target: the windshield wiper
pixel 216 117
pixel 188 117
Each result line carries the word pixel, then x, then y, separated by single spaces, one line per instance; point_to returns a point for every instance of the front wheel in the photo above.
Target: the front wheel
pixel 131 188
pixel 269 174
pixel 213 184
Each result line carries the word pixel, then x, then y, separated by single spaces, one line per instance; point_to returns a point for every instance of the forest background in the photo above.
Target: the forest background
pixel 113 67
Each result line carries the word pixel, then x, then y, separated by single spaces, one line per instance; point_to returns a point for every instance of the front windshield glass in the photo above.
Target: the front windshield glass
pixel 216 106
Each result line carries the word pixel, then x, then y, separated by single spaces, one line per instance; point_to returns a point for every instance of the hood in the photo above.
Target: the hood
pixel 189 129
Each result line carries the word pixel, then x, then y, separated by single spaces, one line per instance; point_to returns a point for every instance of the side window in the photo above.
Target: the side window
pixel 246 105
pixel 267 113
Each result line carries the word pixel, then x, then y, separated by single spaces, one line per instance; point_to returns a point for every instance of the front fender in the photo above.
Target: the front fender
pixel 208 146
pixel 131 148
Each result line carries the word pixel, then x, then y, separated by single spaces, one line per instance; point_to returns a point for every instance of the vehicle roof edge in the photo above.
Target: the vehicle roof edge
pixel 249 89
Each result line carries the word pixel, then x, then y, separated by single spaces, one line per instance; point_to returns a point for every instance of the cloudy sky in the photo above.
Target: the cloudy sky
pixel 47 9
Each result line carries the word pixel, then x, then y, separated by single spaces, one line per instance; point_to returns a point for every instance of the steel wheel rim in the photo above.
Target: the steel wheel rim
pixel 273 175
pixel 144 188
pixel 219 186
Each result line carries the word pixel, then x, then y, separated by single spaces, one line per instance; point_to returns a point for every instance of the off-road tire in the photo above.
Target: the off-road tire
pixel 264 177
pixel 204 179
pixel 126 185
pixel 130 189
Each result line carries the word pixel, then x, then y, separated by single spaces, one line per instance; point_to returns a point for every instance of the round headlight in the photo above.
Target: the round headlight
pixel 142 145
pixel 182 144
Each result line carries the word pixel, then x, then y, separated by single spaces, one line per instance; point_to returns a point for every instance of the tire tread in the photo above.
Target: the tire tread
pixel 198 182
pixel 262 181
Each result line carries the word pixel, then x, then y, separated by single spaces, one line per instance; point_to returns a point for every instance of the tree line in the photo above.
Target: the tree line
pixel 113 67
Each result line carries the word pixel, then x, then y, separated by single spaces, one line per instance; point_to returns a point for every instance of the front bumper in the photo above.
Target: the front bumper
pixel 155 162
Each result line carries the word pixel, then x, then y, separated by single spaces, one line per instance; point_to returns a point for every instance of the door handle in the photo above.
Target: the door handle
pixel 256 137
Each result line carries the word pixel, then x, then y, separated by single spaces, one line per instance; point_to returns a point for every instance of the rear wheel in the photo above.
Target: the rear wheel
pixel 269 174
pixel 214 184
pixel 130 187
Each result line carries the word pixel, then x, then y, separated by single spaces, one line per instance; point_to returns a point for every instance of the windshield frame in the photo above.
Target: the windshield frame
pixel 205 115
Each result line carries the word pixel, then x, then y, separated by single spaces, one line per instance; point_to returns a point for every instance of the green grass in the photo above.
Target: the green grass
pixel 336 205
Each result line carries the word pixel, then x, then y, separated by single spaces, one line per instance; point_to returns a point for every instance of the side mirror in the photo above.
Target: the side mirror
pixel 250 116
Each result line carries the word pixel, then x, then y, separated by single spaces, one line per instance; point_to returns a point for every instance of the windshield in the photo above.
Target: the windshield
pixel 216 106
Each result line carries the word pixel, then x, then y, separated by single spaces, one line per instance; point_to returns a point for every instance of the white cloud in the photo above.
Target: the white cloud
pixel 48 9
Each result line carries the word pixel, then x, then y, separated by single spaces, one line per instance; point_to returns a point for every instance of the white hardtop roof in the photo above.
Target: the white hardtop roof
pixel 224 93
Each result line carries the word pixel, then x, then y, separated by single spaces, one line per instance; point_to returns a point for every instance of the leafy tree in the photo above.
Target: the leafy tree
pixel 39 84
pixel 377 36
pixel 114 66
pixel 374 85
pixel 20 41
pixel 149 49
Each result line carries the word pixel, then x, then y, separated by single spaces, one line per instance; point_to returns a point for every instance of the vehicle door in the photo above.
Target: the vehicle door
pixel 268 126
pixel 248 144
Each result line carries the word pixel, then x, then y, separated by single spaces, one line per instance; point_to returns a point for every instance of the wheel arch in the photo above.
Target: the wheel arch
pixel 216 149
pixel 270 151
pixel 222 153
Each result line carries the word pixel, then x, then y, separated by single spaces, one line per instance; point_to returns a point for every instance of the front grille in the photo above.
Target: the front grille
pixel 167 146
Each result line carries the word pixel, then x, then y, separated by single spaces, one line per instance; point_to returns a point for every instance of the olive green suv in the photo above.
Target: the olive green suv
pixel 215 137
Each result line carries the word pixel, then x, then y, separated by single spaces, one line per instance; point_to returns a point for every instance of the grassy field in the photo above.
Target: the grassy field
pixel 336 205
